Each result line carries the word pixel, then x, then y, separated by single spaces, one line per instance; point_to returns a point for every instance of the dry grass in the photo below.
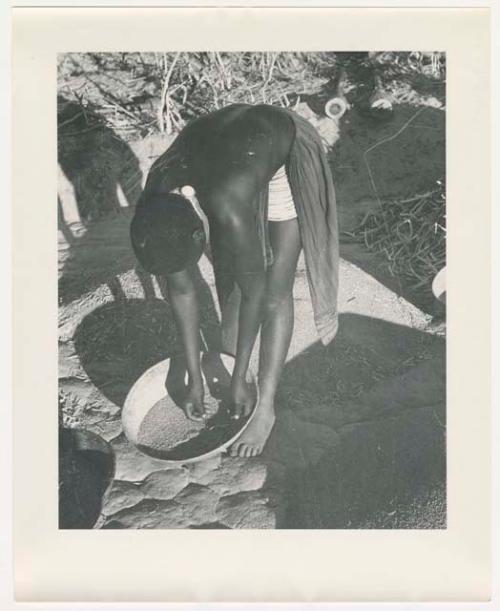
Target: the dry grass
pixel 141 93
pixel 411 234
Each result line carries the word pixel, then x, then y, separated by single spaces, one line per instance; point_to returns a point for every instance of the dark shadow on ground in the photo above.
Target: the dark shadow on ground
pixel 95 160
pixel 86 470
pixel 98 164
pixel 118 341
pixel 97 257
pixel 408 164
pixel 360 430
pixel 401 168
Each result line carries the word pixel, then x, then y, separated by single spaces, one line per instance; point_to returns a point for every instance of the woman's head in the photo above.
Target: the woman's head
pixel 167 235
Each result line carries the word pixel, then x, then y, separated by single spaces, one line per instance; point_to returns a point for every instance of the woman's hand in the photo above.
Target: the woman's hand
pixel 242 399
pixel 193 402
pixel 184 302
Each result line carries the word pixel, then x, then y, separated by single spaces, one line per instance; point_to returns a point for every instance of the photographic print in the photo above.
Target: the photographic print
pixel 252 290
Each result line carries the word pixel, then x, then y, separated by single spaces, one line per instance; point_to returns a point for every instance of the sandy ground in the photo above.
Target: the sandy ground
pixel 359 440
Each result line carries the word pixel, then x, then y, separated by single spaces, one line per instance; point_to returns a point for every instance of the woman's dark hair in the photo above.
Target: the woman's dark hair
pixel 163 233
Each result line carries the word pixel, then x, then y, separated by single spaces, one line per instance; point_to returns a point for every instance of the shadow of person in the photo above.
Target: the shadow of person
pixel 100 179
pixel 101 166
pixel 118 341
pixel 360 427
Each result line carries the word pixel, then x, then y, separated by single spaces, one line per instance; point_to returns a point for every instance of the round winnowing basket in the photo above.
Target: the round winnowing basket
pixel 154 422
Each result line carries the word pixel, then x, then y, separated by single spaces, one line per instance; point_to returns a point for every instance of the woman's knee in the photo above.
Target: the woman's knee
pixel 276 301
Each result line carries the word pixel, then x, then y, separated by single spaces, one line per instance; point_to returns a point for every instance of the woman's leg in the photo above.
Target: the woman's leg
pixel 276 333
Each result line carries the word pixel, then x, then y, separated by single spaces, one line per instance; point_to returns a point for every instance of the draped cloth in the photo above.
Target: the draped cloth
pixel 311 183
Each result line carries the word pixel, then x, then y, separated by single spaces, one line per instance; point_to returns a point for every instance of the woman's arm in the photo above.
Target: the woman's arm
pixel 241 246
pixel 184 301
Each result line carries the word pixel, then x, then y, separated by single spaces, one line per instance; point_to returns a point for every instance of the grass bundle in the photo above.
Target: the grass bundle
pixel 411 234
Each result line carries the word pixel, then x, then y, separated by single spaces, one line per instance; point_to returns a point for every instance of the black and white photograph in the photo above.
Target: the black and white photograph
pixel 251 290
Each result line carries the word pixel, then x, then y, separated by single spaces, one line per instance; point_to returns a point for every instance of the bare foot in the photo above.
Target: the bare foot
pixel 253 439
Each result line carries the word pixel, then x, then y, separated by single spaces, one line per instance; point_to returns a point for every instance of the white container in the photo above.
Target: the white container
pixel 150 389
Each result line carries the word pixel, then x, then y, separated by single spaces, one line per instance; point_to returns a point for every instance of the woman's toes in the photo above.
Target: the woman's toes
pixel 244 450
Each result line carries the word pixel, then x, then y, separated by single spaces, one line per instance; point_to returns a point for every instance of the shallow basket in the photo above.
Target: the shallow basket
pixel 150 389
